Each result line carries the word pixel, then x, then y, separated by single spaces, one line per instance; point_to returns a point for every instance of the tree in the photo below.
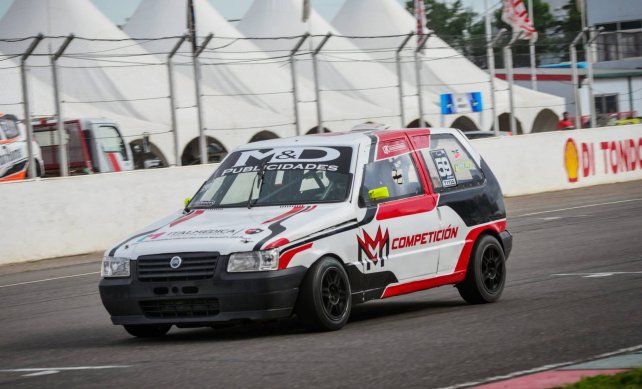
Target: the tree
pixel 452 22
pixel 568 28
pixel 464 30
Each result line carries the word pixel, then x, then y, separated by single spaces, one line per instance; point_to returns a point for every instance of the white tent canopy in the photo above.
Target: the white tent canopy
pixel 234 65
pixel 121 77
pixel 444 69
pixel 342 65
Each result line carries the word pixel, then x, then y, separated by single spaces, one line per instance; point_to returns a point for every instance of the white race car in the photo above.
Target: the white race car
pixel 13 151
pixel 312 225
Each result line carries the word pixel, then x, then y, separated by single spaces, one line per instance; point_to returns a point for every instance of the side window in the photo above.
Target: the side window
pixel 449 164
pixel 390 179
pixel 10 129
pixel 110 141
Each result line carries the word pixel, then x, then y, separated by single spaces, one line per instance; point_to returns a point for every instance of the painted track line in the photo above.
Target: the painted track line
pixel 71 368
pixel 49 279
pixel 542 368
pixel 578 207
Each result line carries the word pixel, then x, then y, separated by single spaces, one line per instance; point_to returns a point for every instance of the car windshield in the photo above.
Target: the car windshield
pixel 279 176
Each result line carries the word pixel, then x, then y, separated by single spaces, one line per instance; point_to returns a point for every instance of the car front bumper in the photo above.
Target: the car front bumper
pixel 224 297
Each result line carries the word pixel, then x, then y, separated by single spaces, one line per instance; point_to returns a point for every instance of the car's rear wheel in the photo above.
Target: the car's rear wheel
pixel 148 331
pixel 325 301
pixel 486 274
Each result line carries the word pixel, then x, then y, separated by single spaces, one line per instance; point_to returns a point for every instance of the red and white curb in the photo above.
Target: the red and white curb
pixel 554 375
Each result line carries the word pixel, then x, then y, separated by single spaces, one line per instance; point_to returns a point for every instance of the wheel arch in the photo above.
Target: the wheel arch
pixel 491 232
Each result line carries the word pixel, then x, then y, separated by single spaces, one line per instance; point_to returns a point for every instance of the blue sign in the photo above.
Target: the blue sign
pixel 455 103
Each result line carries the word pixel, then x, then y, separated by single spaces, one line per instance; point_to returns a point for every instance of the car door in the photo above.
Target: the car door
pixel 113 154
pixel 397 239
pixel 458 180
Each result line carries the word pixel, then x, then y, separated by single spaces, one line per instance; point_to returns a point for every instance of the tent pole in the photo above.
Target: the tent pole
pixel 508 63
pixel 590 53
pixel 317 90
pixel 172 97
pixel 490 52
pixel 25 99
pixel 576 82
pixel 202 142
pixel 418 68
pixel 62 139
pixel 531 48
pixel 402 109
pixel 295 95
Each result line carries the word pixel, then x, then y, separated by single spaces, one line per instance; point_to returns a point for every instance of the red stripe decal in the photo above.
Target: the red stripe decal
pixel 406 207
pixel 187 217
pixel 471 238
pixel 114 161
pixel 21 175
pixel 428 283
pixel 460 269
pixel 287 256
pixel 277 243
pixel 296 209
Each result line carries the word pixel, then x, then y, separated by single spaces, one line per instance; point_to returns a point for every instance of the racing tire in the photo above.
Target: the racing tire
pixel 148 331
pixel 39 172
pixel 325 297
pixel 486 273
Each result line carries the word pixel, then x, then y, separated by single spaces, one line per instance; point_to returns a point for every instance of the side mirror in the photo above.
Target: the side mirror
pixel 187 201
pixel 380 193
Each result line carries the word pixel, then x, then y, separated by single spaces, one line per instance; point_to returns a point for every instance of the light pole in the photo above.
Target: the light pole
pixel 508 62
pixel 172 98
pixel 62 139
pixel 576 82
pixel 402 109
pixel 25 101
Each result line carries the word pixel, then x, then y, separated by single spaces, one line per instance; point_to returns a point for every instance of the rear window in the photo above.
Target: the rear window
pixel 450 165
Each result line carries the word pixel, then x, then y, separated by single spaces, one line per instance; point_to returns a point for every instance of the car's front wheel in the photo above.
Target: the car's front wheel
pixel 148 331
pixel 325 301
pixel 486 273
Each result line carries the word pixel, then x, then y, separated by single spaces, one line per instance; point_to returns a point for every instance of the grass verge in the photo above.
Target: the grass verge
pixel 627 380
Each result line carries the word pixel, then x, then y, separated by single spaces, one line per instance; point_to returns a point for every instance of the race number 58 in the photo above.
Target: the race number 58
pixel 443 167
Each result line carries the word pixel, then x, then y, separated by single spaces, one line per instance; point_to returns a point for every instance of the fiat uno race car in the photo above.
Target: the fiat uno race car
pixel 312 225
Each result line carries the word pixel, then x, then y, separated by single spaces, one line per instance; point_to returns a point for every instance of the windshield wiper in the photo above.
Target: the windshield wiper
pixel 260 174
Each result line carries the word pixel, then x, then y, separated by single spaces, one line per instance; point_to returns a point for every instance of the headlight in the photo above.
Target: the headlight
pixel 253 261
pixel 114 267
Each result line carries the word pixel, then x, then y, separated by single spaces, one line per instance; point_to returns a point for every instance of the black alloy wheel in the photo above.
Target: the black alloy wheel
pixel 486 272
pixel 492 269
pixel 334 292
pixel 325 296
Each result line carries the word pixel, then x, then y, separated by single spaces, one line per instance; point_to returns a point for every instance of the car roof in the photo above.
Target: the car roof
pixel 346 138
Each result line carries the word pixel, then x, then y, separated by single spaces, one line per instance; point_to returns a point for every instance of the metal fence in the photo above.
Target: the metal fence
pixel 113 54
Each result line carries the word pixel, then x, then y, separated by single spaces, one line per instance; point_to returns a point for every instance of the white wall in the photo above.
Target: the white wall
pixel 536 163
pixel 75 215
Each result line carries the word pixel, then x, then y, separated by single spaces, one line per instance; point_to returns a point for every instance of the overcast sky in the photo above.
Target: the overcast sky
pixel 119 10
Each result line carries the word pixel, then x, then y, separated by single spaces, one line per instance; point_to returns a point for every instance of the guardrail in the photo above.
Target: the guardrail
pixel 76 215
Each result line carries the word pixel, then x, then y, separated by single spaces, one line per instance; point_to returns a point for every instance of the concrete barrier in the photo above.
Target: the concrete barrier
pixel 76 215
pixel 559 160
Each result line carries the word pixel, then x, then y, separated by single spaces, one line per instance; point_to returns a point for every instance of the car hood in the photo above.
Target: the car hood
pixel 233 229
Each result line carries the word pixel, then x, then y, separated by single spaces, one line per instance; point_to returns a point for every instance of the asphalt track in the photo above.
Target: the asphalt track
pixel 593 237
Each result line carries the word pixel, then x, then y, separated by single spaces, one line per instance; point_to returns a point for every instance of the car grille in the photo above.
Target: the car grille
pixel 194 266
pixel 180 308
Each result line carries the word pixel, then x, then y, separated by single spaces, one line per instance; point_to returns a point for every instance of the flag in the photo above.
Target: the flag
pixel 306 11
pixel 420 16
pixel 515 15
pixel 191 24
